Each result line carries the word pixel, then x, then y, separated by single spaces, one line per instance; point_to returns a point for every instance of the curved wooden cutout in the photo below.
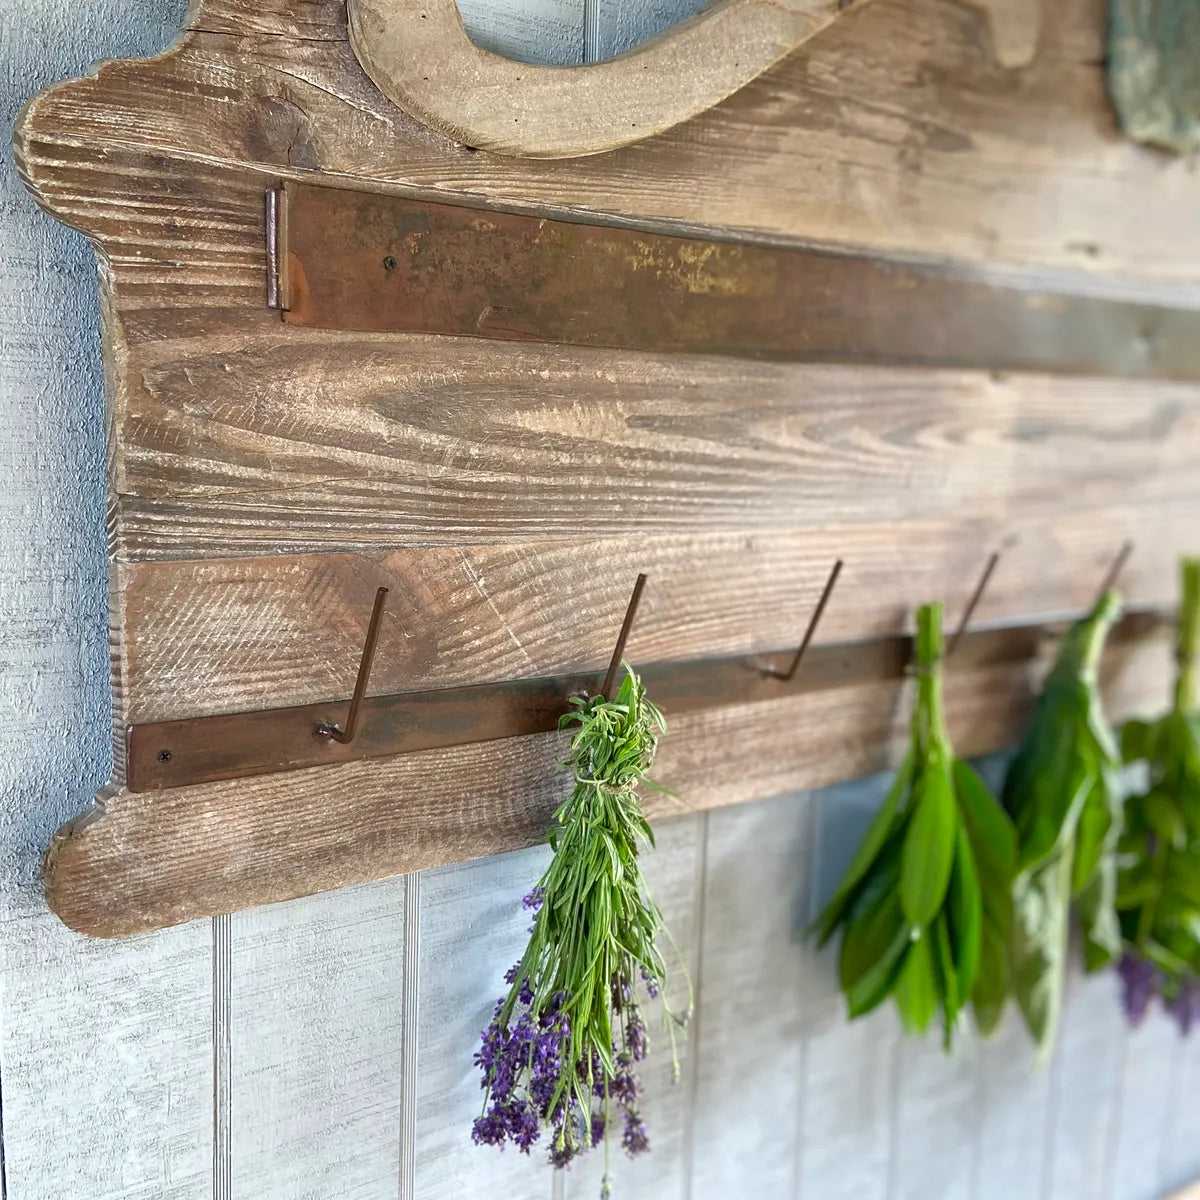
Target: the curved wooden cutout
pixel 418 54
pixel 1016 27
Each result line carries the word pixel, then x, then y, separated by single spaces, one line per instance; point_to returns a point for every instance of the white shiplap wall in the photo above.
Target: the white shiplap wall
pixel 320 1050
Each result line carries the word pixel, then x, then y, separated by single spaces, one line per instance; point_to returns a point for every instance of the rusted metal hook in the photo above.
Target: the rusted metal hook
pixel 818 612
pixel 614 666
pixel 346 735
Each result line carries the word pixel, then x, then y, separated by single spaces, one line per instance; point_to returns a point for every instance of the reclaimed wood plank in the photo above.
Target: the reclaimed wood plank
pixel 316 1046
pixel 230 635
pixel 749 1034
pixel 896 129
pixel 142 860
pixel 344 440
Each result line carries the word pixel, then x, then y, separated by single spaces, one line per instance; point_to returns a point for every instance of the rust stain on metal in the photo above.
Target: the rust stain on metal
pixel 376 263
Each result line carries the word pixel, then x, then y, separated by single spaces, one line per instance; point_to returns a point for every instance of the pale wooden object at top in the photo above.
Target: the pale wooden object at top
pixel 266 478
pixel 419 55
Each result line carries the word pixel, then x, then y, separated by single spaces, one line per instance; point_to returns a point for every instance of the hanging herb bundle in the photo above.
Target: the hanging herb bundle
pixel 1062 793
pixel 926 902
pixel 562 1051
pixel 1158 894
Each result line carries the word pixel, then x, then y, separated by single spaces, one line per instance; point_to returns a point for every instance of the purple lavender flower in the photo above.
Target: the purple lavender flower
pixel 534 900
pixel 635 1034
pixel 1140 982
pixel 1184 1006
pixel 634 1138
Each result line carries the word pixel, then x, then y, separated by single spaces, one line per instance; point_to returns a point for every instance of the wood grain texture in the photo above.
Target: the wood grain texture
pixel 232 635
pixel 316 1031
pixel 144 860
pixel 895 130
pixel 300 444
pixel 421 59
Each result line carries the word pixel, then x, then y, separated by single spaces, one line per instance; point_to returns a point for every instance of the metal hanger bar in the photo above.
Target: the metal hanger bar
pixel 232 746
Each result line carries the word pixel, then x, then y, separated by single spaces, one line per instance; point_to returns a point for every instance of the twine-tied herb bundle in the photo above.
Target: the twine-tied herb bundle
pixel 926 902
pixel 562 1051
pixel 1158 893
pixel 1062 792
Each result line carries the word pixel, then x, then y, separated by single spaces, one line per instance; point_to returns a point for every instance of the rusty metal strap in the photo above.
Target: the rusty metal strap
pixel 232 746
pixel 341 259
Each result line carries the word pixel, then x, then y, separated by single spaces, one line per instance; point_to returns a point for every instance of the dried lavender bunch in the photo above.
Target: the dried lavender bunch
pixel 561 1053
pixel 926 903
pixel 1062 792
pixel 1158 895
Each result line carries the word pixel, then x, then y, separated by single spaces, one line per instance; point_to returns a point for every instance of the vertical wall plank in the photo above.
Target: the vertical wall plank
pixel 674 872
pixel 315 1015
pixel 1013 1114
pixel 617 25
pixel 1085 1089
pixel 1181 1149
pixel 472 930
pixel 105 1057
pixel 541 31
pixel 849 1068
pixel 1145 1100
pixel 748 1065
pixel 937 1120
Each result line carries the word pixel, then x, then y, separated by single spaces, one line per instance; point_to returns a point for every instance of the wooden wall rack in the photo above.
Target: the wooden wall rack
pixel 903 304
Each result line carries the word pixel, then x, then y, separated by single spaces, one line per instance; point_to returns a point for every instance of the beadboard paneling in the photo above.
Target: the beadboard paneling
pixel 315 1028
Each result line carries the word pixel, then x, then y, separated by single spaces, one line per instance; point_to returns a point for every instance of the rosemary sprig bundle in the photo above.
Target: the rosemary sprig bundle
pixel 1158 893
pixel 926 902
pixel 562 1050
pixel 1062 793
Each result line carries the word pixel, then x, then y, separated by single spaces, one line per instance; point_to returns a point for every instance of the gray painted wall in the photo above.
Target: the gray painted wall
pixel 320 1050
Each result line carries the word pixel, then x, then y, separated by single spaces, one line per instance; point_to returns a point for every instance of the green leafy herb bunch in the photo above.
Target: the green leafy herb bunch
pixel 1158 894
pixel 562 1051
pixel 1062 790
pixel 925 905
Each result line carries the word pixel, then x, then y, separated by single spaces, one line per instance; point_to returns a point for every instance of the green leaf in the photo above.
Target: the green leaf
pixel 1138 740
pixel 928 854
pixel 965 911
pixel 866 855
pixel 947 972
pixel 871 954
pixel 917 988
pixel 993 838
pixel 1038 947
pixel 990 992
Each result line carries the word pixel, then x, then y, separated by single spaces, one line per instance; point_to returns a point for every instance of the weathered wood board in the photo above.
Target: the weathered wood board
pixel 265 479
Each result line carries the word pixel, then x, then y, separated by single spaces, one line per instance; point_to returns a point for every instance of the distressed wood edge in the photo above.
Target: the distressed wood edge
pixel 501 796
pixel 418 54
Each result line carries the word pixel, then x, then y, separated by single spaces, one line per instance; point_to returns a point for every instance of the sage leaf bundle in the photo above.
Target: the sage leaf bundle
pixel 925 904
pixel 1063 794
pixel 1158 892
pixel 562 1051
